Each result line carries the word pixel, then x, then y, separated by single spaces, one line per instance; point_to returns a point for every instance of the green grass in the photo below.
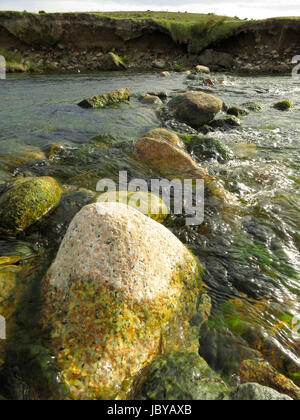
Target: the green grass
pixel 196 30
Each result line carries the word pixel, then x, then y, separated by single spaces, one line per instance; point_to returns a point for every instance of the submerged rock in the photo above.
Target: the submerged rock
pixel 111 62
pixel 145 202
pixel 256 392
pixel 260 371
pixel 24 156
pixel 207 148
pixel 283 105
pixel 166 158
pixel 151 100
pixel 195 108
pixel 252 106
pixel 26 201
pixel 226 123
pixel 181 376
pixel 106 99
pixel 164 134
pixel 237 111
pixel 121 290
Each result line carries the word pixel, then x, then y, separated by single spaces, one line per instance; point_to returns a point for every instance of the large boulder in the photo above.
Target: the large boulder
pixel 26 201
pixel 111 62
pixel 168 160
pixel 195 108
pixel 181 376
pixel 121 290
pixel 256 392
pixel 106 99
pixel 260 371
pixel 163 156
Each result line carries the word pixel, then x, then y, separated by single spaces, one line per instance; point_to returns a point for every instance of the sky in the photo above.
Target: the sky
pixel 240 8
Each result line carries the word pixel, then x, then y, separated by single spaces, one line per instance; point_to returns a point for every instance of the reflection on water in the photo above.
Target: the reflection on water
pixel 251 257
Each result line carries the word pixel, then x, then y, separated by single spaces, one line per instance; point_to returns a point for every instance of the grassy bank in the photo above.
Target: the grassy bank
pixel 197 30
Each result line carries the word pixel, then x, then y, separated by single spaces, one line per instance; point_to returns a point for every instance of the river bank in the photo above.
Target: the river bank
pixel 74 43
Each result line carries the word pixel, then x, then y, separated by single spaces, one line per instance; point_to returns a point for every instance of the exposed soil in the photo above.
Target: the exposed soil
pixel 75 42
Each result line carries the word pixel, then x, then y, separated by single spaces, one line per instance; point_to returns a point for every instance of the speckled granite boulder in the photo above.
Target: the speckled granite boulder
pixel 195 108
pixel 121 290
pixel 256 392
pixel 26 201
pixel 181 376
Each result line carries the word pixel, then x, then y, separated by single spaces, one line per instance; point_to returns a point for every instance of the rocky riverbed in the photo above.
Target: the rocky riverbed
pixel 102 301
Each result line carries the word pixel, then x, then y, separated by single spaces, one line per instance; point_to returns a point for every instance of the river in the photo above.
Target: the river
pixel 251 257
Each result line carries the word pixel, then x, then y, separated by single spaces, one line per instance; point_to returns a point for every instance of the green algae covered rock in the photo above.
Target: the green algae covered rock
pixel 26 201
pixel 181 376
pixel 106 99
pixel 252 106
pixel 283 105
pixel 195 108
pixel 121 291
pixel 207 148
pixel 256 392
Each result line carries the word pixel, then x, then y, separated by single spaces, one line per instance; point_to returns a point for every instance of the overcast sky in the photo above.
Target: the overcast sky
pixel 241 8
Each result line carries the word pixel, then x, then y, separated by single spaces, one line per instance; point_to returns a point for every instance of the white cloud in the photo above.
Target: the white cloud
pixel 254 8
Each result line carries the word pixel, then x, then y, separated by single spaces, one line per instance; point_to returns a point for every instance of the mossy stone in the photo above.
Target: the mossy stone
pixel 106 99
pixel 283 105
pixel 26 201
pixel 207 148
pixel 252 106
pixel 181 376
pixel 225 123
pixel 237 111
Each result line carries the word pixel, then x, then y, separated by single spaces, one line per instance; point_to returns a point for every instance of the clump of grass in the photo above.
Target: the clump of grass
pixel 11 57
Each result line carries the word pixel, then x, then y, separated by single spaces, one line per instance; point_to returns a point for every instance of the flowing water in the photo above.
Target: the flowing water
pixel 251 257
